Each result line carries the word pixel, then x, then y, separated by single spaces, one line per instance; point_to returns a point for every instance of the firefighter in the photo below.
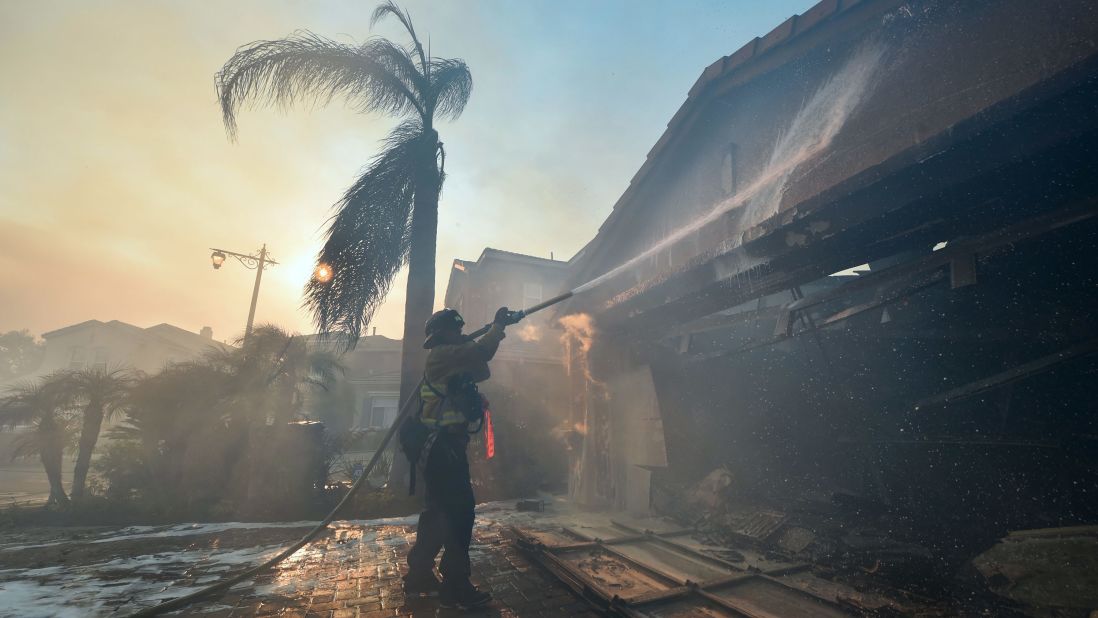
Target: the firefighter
pixel 447 520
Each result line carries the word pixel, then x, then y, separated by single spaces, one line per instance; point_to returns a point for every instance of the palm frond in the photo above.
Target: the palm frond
pixel 390 8
pixel 323 369
pixel 450 88
pixel 398 61
pixel 109 386
pixel 125 431
pixel 368 238
pixel 305 67
pixel 31 401
pixel 17 406
pixel 45 434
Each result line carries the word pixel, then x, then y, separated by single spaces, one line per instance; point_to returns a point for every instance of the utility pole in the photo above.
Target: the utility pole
pixel 256 262
pixel 255 290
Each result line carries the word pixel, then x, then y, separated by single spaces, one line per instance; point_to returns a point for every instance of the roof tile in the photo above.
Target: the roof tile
pixel 816 14
pixel 742 54
pixel 777 35
pixel 710 73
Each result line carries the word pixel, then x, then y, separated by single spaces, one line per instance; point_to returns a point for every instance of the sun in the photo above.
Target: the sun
pixel 323 273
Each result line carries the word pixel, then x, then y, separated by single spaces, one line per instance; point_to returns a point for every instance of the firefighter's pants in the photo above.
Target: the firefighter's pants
pixel 447 521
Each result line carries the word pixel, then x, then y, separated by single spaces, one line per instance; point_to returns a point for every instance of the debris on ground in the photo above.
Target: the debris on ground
pixel 1051 571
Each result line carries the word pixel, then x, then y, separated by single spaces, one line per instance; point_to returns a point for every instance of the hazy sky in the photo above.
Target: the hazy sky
pixel 116 176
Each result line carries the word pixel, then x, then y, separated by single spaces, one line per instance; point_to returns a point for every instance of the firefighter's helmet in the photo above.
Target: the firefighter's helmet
pixel 442 321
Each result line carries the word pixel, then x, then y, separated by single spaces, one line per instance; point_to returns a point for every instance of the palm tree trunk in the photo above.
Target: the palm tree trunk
pixel 52 447
pixel 89 436
pixel 419 303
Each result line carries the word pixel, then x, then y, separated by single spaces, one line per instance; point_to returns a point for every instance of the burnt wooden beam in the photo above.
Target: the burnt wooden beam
pixel 962 271
pixel 950 441
pixel 928 270
pixel 1021 372
pixel 916 276
pixel 720 321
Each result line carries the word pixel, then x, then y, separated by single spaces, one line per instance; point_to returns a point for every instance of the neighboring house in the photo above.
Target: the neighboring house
pixel 370 384
pixel 476 289
pixel 100 344
pixel 528 390
pixel 363 399
pixel 501 278
pixel 373 370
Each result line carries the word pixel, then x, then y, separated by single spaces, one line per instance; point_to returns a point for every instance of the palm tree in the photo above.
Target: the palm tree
pixel 269 373
pixel 389 216
pixel 172 412
pixel 45 406
pixel 101 392
pixel 201 428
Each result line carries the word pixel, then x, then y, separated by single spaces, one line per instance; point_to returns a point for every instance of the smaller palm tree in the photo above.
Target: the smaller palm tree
pixel 169 412
pixel 270 373
pixel 100 393
pixel 44 407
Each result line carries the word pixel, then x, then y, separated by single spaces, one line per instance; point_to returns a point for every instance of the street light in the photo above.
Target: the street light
pixel 255 262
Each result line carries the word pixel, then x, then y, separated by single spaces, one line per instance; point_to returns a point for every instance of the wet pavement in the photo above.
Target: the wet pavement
pixel 353 569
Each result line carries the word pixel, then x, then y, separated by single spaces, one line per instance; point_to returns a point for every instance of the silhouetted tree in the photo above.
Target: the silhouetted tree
pixel 99 393
pixel 20 353
pixel 44 406
pixel 199 433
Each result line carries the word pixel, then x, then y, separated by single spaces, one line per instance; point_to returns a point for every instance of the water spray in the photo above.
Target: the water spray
pixel 809 134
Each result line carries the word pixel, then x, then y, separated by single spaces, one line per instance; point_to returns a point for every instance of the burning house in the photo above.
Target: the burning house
pixel 851 291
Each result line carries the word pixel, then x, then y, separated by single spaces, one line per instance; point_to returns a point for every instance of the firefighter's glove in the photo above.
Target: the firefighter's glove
pixel 506 317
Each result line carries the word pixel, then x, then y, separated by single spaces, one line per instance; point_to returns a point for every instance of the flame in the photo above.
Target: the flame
pixel 571 434
pixel 529 332
pixel 578 328
pixel 578 337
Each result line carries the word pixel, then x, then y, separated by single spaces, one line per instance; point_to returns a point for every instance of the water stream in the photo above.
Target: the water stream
pixel 808 135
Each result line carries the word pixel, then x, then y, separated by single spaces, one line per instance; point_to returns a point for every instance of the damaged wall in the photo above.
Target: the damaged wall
pixel 620 425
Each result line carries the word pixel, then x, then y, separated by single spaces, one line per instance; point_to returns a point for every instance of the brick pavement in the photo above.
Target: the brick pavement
pixel 354 572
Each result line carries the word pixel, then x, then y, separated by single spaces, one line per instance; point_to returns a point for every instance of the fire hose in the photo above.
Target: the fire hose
pixel 225 584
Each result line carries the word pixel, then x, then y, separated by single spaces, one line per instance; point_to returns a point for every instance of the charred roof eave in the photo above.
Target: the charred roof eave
pixel 794 247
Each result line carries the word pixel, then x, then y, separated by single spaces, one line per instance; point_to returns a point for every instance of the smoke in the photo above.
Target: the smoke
pixel 529 332
pixel 808 135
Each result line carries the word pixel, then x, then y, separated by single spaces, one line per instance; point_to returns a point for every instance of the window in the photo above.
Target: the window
pixel 78 358
pixel 100 358
pixel 531 294
pixel 379 412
